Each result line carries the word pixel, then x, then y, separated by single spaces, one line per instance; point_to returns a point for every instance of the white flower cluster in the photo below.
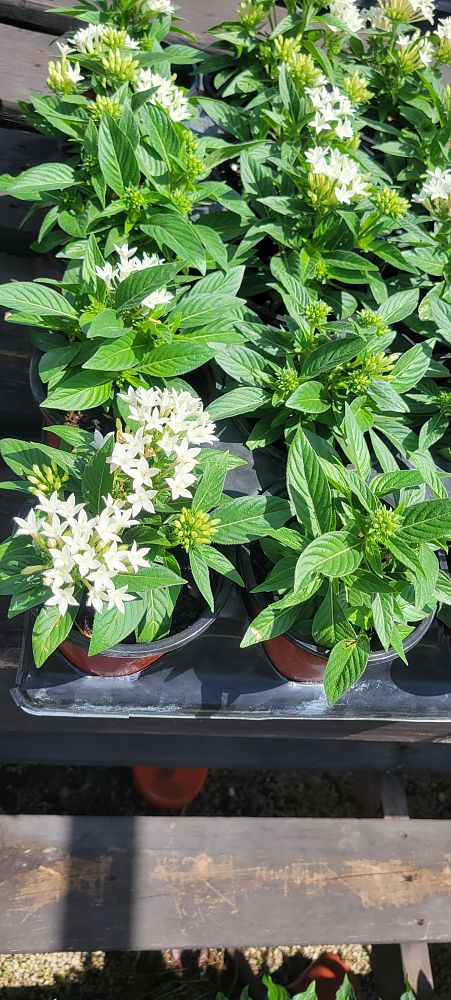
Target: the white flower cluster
pixel 436 188
pixel 83 552
pixel 336 166
pixel 128 263
pixel 444 30
pixel 332 111
pixel 169 422
pixel 160 7
pixel 424 9
pixel 422 45
pixel 170 97
pixel 348 13
pixel 376 18
pixel 91 40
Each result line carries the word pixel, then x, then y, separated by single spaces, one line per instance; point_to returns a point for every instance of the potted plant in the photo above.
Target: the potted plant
pixel 124 533
pixel 354 576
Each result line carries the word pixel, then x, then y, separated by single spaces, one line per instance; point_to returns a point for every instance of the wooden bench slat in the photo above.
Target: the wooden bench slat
pixel 135 883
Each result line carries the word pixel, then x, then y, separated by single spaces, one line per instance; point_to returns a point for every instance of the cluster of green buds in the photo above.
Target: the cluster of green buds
pixel 134 200
pixel 303 70
pixel 193 528
pixel 105 105
pixel 316 313
pixel 356 376
pixel 182 201
pixel 401 11
pixel 444 402
pixel 118 68
pixel 390 203
pixel 63 76
pixel 370 320
pixel 285 384
pixel 356 89
pixel 381 525
pixel 414 52
pixel 47 479
pixel 251 14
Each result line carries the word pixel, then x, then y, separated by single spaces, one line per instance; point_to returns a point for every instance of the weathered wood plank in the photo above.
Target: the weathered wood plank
pixel 145 882
pixel 37 14
pixel 19 415
pixel 20 150
pixel 24 57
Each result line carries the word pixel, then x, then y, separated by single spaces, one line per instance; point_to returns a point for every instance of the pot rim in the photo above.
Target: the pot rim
pixel 376 657
pixel 140 650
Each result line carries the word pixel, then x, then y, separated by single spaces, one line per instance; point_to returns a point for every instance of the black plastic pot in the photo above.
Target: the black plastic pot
pixel 306 662
pixel 38 392
pixel 125 659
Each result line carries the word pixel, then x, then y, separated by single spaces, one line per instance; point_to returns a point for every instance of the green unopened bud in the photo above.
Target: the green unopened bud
pixel 372 321
pixel 250 15
pixel 303 70
pixel 47 479
pixel 391 203
pixel 382 525
pixel 119 68
pixel 356 89
pixel 105 105
pixel 193 528
pixel 317 312
pixel 63 76
pixel 287 381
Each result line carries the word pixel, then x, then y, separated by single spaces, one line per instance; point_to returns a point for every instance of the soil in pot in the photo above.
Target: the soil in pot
pixel 190 618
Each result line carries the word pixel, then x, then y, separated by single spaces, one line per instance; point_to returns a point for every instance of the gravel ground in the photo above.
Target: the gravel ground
pixel 151 976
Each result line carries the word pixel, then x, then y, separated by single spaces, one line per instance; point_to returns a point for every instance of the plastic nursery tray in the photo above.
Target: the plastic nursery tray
pixel 213 679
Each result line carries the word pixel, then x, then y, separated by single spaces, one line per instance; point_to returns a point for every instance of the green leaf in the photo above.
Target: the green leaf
pixel 429 522
pixel 272 621
pixel 35 299
pixel 156 622
pixel 308 488
pixel 97 481
pixel 49 631
pixel 280 577
pixel 242 364
pixel 330 624
pixel 410 367
pixel 345 665
pixel 201 574
pixel 404 553
pixel 354 444
pixel 177 359
pixel 132 290
pixel 399 306
pixel 117 160
pixel 328 356
pixel 35 181
pixel 148 579
pixel 218 561
pixel 179 235
pixel 334 554
pixel 21 455
pixel 209 490
pixel 243 519
pixel 310 397
pixel 116 356
pixel 246 399
pixel 83 391
pixel 391 482
pixel 383 617
pixel 112 626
